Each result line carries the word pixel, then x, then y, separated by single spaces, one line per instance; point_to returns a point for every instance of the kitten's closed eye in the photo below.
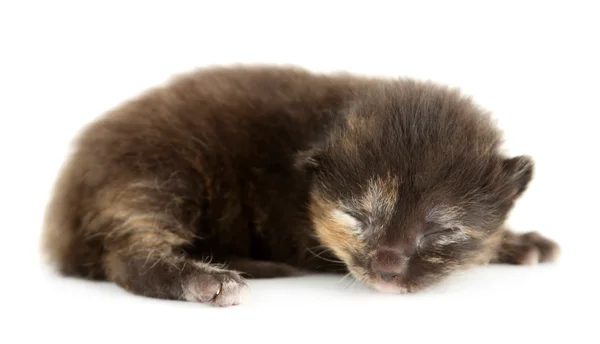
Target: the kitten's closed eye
pixel 439 236
pixel 361 220
pixel 438 231
pixel 349 220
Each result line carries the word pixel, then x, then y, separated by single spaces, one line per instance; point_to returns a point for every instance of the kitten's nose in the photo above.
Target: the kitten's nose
pixel 387 276
pixel 388 264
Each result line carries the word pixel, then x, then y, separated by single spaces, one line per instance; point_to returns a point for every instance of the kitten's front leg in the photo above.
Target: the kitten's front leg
pixel 145 248
pixel 143 256
pixel 146 264
pixel 525 249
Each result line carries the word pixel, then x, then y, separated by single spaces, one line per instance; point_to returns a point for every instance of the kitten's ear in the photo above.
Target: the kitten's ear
pixel 519 171
pixel 308 160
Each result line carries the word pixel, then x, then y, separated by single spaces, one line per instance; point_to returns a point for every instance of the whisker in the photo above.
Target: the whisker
pixel 158 260
pixel 147 259
pixel 344 277
pixel 352 280
pixel 323 258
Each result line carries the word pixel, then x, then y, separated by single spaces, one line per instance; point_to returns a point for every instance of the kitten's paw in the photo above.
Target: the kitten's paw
pixel 221 288
pixel 527 249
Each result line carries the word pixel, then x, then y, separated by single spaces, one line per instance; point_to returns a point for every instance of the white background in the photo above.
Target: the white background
pixel 534 64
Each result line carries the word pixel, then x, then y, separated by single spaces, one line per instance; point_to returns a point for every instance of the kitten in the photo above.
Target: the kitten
pixel 241 172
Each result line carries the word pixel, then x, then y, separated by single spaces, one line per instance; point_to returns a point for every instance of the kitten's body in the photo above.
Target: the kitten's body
pixel 224 166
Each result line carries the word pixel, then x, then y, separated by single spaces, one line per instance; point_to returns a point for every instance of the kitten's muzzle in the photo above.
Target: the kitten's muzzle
pixel 389 264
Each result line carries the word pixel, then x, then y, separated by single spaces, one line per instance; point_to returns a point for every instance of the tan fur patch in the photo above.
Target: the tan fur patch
pixel 380 196
pixel 446 216
pixel 449 217
pixel 492 243
pixel 145 229
pixel 434 260
pixel 334 231
pixel 356 124
pixel 138 217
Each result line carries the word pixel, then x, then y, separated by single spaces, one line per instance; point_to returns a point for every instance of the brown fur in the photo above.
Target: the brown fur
pixel 234 171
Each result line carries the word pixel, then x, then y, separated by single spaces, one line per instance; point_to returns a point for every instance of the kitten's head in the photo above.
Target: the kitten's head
pixel 411 186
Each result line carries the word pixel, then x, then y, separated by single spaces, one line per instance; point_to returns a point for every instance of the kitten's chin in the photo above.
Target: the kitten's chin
pixel 379 284
pixel 389 288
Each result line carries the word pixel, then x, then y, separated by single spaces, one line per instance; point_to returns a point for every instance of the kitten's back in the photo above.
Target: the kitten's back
pixel 230 118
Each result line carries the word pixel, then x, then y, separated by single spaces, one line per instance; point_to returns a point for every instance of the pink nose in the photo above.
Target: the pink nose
pixel 388 264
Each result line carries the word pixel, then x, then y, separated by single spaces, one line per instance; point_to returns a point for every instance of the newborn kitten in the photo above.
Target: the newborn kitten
pixel 261 171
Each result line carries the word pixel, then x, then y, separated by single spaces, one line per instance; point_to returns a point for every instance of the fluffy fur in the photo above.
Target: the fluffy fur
pixel 258 171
